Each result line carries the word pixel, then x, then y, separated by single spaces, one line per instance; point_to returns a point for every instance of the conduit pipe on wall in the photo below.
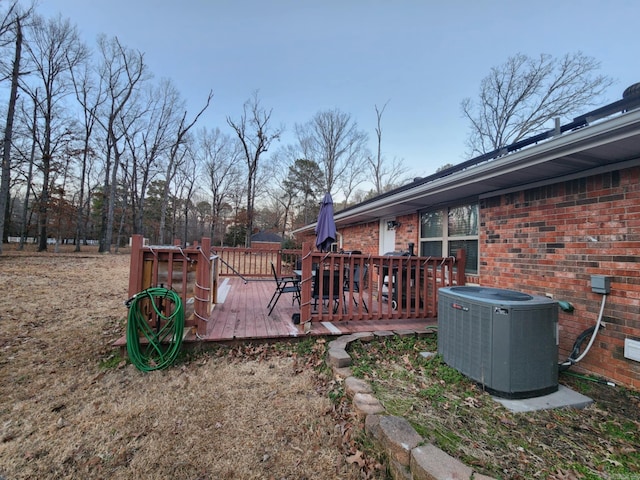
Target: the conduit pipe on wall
pixel 576 346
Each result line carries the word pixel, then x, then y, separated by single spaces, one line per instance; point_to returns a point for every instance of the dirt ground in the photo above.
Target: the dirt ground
pixel 70 409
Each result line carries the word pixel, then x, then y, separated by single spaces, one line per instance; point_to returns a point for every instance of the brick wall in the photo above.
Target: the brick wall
pixel 364 237
pixel 550 240
pixel 408 232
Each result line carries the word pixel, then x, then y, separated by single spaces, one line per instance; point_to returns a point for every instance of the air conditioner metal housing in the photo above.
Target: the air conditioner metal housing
pixel 505 340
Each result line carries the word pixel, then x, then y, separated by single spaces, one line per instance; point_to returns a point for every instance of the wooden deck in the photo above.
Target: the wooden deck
pixel 241 314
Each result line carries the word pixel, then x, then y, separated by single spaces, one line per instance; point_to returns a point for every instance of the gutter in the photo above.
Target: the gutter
pixel 500 162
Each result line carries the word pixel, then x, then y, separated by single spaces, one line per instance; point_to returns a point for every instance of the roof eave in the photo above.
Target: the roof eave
pixel 409 200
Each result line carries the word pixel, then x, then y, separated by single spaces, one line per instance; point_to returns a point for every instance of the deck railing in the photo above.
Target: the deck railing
pixel 334 286
pixel 337 287
pixel 255 262
pixel 190 271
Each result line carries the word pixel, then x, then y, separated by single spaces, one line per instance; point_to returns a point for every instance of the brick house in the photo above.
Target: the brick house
pixel 540 216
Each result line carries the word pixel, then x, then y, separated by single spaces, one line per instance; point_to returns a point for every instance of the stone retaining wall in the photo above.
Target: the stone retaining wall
pixel 409 455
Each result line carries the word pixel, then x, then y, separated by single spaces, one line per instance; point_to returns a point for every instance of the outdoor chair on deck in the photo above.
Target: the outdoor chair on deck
pixel 326 285
pixel 284 285
pixel 354 282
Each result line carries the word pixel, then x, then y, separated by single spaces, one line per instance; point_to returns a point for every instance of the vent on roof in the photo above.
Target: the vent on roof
pixel 631 91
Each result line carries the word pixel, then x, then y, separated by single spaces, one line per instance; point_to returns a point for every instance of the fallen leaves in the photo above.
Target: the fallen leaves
pixel 507 421
pixel 464 421
pixel 357 458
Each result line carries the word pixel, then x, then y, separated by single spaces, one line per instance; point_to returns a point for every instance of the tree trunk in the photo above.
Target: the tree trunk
pixel 8 132
pixel 25 208
pixel 83 175
pixel 104 246
pixel 43 209
pixel 112 197
pixel 164 204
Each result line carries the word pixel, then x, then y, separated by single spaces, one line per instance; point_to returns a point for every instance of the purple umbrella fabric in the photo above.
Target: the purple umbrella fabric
pixel 326 226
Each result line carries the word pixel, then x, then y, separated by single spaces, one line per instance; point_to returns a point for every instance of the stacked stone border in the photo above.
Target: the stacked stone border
pixel 409 456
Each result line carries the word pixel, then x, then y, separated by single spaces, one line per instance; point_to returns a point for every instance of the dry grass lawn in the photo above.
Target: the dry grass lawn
pixel 69 409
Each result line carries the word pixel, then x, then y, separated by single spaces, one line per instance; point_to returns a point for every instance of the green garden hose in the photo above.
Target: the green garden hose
pixel 160 342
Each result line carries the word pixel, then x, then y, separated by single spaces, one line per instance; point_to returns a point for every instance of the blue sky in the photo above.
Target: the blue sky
pixel 422 57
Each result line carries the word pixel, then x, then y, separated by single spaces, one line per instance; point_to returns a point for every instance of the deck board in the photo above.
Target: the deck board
pixel 242 312
pixel 244 315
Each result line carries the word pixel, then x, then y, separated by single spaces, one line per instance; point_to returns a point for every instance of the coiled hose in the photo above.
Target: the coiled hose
pixel 161 342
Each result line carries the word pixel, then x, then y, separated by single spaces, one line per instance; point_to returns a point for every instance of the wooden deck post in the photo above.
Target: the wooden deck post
pixel 307 267
pixel 202 290
pixel 135 265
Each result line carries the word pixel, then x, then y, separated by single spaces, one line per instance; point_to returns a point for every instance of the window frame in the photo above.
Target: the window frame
pixel 445 239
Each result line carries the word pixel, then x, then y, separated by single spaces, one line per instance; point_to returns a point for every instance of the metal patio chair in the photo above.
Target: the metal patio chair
pixel 284 284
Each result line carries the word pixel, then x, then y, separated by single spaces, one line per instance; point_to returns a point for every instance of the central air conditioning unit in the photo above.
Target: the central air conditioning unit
pixel 507 341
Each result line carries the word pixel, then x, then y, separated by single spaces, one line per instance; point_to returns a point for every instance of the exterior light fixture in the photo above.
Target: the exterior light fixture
pixel 392 224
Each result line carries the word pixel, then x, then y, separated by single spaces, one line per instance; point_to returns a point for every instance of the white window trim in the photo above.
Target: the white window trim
pixel 445 239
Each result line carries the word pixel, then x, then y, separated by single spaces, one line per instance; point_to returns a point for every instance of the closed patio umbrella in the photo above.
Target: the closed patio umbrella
pixel 326 227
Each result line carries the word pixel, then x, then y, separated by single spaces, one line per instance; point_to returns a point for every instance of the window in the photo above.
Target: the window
pixel 443 232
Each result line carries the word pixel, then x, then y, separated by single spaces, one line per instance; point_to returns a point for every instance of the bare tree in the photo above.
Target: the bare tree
pixel 90 97
pixel 176 156
pixel 335 143
pixel 187 177
pixel 54 49
pixel 282 193
pixel 519 97
pixel 255 135
pixel 61 175
pixel 136 171
pixel 149 143
pixel 385 176
pixel 8 19
pixel 31 160
pixel 220 156
pixel 12 21
pixel 272 214
pixel 120 71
